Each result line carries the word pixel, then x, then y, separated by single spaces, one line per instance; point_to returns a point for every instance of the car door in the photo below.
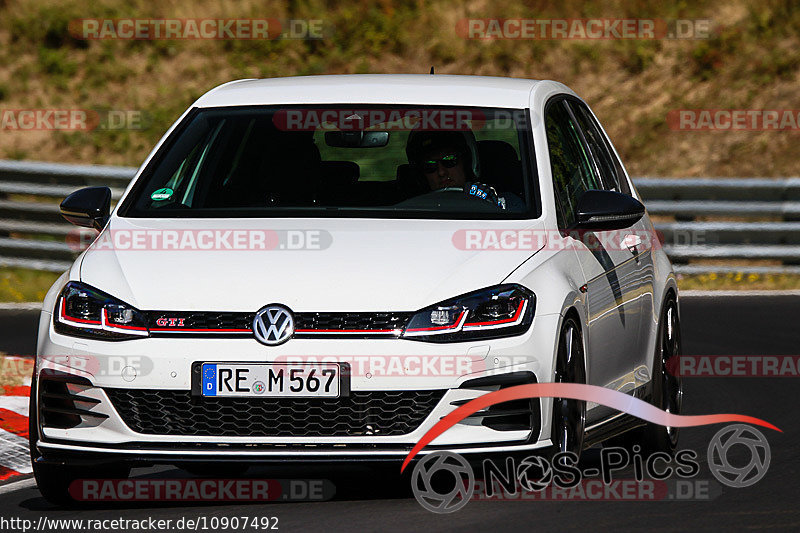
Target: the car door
pixel 636 269
pixel 613 325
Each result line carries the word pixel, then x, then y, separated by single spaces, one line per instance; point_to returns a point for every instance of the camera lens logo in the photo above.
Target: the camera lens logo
pixel 443 482
pixel 725 444
pixel 534 474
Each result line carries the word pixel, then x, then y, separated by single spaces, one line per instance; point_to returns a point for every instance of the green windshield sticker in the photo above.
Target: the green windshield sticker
pixel 162 194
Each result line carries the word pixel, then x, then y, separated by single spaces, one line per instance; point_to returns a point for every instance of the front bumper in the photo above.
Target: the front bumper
pixel 377 366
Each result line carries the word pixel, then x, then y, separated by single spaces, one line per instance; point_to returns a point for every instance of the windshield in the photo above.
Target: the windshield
pixel 311 161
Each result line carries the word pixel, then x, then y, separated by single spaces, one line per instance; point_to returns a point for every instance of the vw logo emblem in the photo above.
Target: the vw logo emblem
pixel 273 325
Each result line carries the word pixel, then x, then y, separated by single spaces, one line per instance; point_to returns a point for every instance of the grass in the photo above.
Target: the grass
pixel 739 281
pixel 23 285
pixel 752 60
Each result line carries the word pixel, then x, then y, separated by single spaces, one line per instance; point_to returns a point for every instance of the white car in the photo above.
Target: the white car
pixel 321 268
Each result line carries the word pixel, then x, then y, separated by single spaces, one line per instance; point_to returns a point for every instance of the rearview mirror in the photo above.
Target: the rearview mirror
pixel 88 207
pixel 607 210
pixel 356 139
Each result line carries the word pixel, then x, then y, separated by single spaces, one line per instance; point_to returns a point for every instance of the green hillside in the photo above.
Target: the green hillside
pixel 750 61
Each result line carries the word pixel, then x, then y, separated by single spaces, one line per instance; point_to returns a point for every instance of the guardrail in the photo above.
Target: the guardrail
pixel 752 221
pixel 762 226
pixel 32 231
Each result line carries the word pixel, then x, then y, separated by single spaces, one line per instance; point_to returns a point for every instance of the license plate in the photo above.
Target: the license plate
pixel 290 380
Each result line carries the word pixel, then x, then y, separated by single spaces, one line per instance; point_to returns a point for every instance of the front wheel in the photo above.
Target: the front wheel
pixel 569 416
pixel 667 388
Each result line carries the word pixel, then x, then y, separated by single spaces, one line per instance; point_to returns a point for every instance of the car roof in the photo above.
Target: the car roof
pixel 405 89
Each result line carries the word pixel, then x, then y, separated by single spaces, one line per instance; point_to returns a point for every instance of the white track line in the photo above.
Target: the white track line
pixel 18 404
pixel 20 306
pixel 17 485
pixel 14 453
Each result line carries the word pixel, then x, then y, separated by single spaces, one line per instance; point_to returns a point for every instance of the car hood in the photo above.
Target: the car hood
pixel 351 265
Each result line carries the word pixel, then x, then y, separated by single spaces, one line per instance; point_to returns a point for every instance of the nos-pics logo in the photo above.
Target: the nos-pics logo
pixel 444 482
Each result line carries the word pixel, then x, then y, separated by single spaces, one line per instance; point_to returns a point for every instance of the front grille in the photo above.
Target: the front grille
pixel 307 325
pixel 376 413
pixel 200 320
pixel 351 321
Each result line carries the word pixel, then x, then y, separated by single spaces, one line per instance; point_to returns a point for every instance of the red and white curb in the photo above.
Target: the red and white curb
pixel 14 455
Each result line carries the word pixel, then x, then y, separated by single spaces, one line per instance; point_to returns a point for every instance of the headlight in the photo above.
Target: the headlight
pixel 500 311
pixel 83 311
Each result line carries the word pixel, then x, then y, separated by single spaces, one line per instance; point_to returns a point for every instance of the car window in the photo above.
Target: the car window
pixel 182 177
pixel 608 165
pixel 259 161
pixel 573 172
pixel 375 164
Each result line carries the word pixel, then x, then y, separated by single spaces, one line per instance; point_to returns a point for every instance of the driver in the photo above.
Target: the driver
pixel 449 161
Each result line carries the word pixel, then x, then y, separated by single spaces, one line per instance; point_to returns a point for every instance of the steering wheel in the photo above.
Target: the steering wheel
pixel 475 191
pixel 453 192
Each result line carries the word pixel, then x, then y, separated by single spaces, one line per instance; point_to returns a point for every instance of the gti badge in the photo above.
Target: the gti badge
pixel 273 325
pixel 170 322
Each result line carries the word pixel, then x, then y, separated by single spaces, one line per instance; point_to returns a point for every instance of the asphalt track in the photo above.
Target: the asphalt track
pixel 368 500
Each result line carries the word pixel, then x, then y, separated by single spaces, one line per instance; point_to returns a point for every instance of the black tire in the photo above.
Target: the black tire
pixel 54 480
pixel 667 388
pixel 569 416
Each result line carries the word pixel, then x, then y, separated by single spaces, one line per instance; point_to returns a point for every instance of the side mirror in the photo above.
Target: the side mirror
pixel 88 207
pixel 607 210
